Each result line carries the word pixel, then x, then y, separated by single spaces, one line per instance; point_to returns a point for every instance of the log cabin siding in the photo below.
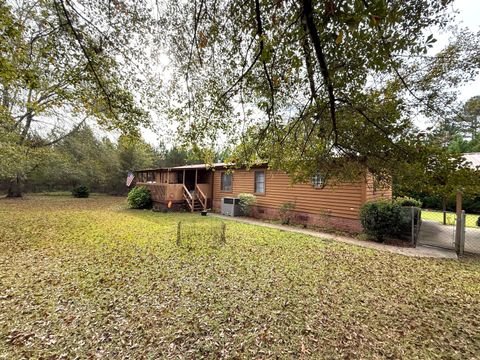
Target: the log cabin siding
pixel 343 200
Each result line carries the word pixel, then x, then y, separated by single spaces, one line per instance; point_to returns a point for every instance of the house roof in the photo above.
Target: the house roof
pixel 202 166
pixel 219 165
pixel 191 167
pixel 473 158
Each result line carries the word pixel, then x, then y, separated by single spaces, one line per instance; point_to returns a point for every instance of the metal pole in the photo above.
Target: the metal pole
pixel 458 227
pixel 462 239
pixel 412 211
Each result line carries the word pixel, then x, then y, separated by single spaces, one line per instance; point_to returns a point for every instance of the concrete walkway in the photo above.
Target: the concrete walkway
pixel 419 251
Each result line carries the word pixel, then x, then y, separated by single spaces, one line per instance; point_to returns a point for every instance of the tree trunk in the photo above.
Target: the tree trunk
pixel 15 189
pixel 444 209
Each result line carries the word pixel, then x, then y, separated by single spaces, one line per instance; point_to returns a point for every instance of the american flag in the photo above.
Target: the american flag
pixel 130 177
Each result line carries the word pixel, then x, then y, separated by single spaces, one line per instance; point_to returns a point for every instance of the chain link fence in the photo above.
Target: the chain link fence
pixel 470 234
pixel 439 229
pixel 200 234
pixel 411 219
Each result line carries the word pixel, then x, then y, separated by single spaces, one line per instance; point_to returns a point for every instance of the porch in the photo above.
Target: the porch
pixel 173 187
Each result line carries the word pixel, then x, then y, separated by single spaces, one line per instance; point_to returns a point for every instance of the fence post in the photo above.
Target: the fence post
pixel 462 235
pixel 413 224
pixel 458 227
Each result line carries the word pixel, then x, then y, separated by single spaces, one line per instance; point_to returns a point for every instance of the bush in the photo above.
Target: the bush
pixel 81 192
pixel 246 203
pixel 286 212
pixel 139 198
pixel 381 219
pixel 408 201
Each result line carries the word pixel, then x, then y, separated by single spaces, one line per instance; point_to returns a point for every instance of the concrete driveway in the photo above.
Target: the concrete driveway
pixel 436 234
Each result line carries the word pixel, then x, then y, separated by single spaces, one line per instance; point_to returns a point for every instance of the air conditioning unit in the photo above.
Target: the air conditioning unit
pixel 231 206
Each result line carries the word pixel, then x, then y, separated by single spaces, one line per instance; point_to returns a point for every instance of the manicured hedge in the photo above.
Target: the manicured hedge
pixel 382 219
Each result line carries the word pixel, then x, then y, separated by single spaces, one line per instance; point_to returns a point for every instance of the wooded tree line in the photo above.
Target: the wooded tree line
pixel 101 164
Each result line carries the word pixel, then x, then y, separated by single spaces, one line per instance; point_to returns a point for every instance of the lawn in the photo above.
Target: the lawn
pixel 88 278
pixel 471 219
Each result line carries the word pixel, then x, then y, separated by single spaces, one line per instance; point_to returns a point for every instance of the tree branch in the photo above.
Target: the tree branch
pixel 315 38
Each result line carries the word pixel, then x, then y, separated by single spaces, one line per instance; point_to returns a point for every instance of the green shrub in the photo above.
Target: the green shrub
pixel 286 212
pixel 381 219
pixel 139 198
pixel 408 201
pixel 246 203
pixel 81 192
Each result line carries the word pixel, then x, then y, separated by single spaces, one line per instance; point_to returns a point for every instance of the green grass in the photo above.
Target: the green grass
pixel 471 219
pixel 87 278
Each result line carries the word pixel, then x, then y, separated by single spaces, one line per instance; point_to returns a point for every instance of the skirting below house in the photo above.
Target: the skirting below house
pixel 161 206
pixel 298 217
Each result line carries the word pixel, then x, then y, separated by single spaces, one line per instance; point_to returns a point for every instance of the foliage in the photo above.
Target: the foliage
pixel 139 198
pixel 469 118
pixel 81 192
pixel 63 65
pixel 286 212
pixel 438 173
pixel 438 216
pixel 70 277
pixel 247 201
pixel 300 83
pixel 470 203
pixel 381 219
pixel 408 201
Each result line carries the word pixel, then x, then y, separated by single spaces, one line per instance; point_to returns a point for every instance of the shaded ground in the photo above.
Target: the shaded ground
pixel 87 278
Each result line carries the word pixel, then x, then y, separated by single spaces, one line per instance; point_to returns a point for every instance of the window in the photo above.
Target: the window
pixel 259 182
pixel 318 181
pixel 226 181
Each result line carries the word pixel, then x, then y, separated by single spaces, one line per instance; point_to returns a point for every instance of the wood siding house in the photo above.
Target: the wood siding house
pixel 202 187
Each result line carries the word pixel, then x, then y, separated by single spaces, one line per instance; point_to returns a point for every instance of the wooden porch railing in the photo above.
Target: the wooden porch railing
pixel 158 191
pixel 188 198
pixel 201 197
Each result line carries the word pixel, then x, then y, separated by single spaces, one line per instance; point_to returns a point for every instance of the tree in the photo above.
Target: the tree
pixel 66 64
pixel 438 172
pixel 470 117
pixel 84 159
pixel 312 86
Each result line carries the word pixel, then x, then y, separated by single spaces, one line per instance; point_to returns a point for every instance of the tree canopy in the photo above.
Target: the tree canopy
pixel 65 63
pixel 313 86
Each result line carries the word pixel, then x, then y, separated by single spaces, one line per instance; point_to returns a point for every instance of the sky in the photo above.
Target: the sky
pixel 468 16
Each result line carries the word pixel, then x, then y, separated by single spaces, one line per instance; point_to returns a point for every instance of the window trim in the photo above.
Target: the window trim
pixel 222 189
pixel 264 182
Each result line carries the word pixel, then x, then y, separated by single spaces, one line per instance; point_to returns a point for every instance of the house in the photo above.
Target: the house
pixel 201 186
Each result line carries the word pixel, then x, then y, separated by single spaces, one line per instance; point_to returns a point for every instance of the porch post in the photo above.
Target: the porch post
pixel 183 178
pixel 458 227
pixel 196 174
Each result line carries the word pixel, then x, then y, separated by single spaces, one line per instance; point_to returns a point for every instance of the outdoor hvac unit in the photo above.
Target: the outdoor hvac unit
pixel 231 206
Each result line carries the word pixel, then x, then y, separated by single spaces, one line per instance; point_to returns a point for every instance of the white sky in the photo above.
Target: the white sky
pixel 468 16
